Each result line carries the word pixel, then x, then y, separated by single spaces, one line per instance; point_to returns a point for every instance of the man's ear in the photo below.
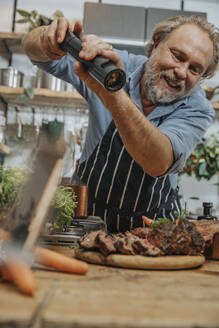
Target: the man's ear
pixel 156 43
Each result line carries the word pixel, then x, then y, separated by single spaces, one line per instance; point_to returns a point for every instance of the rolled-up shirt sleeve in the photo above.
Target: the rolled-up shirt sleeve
pixel 64 70
pixel 185 127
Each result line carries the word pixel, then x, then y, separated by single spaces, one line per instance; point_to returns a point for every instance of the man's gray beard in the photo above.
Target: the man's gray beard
pixel 157 94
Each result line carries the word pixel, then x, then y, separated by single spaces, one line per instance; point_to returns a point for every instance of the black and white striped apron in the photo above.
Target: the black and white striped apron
pixel 120 191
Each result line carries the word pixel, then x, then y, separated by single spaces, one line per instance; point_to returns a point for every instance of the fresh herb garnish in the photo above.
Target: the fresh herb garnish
pixel 160 222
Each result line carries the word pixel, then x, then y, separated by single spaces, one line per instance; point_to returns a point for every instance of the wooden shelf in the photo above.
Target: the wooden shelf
pixel 44 97
pixel 13 41
pixel 11 36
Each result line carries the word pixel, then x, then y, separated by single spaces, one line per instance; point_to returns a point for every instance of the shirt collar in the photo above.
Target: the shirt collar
pixel 134 84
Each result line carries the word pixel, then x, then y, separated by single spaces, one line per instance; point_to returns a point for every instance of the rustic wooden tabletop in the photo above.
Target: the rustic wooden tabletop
pixel 114 297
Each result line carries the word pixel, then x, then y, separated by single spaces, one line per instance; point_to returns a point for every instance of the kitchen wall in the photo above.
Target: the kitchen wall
pixel 73 10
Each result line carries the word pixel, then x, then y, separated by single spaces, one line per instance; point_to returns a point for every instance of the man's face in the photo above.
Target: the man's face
pixel 177 64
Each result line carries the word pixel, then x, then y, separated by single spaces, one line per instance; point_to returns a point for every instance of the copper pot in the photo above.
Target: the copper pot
pixel 82 199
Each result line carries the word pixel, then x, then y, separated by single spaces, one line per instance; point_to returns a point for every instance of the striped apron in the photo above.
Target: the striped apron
pixel 120 191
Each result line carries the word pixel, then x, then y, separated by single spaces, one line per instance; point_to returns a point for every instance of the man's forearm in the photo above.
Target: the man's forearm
pixel 149 147
pixel 33 46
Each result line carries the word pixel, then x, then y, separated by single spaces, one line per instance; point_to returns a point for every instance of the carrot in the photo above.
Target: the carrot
pixel 21 274
pixel 60 262
pixel 5 273
pixel 18 271
pixel 147 221
pixel 4 235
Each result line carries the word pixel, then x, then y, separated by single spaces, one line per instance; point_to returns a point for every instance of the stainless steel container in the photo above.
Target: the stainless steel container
pixel 29 81
pixel 11 77
pixel 53 83
pixel 33 81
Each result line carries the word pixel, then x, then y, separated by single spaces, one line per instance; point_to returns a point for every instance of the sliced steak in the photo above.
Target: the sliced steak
pixel 178 238
pixel 140 232
pixel 207 229
pixel 88 240
pixel 105 243
pixel 124 244
pixel 181 237
pixel 197 244
pixel 144 247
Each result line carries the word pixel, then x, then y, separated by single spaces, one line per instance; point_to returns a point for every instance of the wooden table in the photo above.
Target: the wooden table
pixel 118 298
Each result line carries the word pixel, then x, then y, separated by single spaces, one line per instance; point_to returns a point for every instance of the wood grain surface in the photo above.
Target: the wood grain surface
pixel 109 297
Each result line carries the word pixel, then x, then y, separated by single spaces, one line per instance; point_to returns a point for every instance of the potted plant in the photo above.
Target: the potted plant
pixel 11 180
pixel 203 163
pixel 34 19
pixel 62 207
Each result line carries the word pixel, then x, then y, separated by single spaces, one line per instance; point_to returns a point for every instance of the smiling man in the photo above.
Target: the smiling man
pixel 139 137
pixel 177 65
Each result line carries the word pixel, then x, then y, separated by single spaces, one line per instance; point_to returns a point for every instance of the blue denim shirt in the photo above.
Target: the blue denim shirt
pixel 184 121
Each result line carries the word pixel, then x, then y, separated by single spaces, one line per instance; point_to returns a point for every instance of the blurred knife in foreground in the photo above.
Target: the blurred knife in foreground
pixel 28 215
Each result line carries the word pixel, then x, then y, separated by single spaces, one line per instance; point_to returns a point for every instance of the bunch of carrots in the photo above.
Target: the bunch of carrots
pixel 18 271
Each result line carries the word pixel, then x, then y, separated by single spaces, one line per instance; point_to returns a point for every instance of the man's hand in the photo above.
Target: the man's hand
pixel 91 47
pixel 42 43
pixel 54 34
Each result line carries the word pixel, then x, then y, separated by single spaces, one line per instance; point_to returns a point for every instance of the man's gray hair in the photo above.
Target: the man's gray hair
pixel 163 30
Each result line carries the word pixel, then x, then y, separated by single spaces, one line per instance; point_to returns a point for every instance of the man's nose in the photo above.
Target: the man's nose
pixel 181 71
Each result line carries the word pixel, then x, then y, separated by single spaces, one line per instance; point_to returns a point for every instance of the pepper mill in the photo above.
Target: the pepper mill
pixel 207 212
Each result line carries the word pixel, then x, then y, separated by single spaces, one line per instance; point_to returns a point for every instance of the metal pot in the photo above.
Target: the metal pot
pixel 33 81
pixel 53 83
pixel 11 77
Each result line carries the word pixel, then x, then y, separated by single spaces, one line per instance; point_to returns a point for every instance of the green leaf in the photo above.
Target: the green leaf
pixel 27 95
pixel 199 150
pixel 202 169
pixel 34 13
pixel 23 97
pixel 23 13
pixel 217 161
pixel 29 92
pixel 44 20
pixel 211 163
pixel 212 153
pixel 23 20
pixel 160 221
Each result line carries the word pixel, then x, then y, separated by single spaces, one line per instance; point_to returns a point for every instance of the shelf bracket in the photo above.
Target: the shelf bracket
pixel 9 53
pixel 14 15
pixel 5 105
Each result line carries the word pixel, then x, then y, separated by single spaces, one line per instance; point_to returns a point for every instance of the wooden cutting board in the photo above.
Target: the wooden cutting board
pixel 170 262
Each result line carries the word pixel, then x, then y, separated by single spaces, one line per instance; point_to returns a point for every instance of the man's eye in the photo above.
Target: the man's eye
pixel 177 56
pixel 195 70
